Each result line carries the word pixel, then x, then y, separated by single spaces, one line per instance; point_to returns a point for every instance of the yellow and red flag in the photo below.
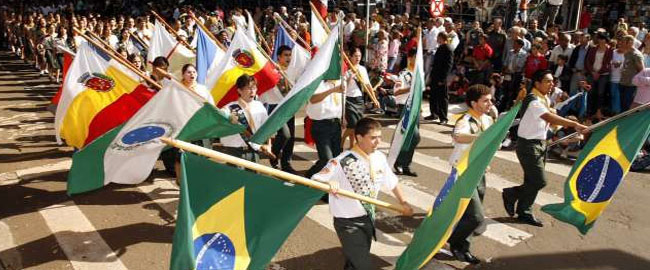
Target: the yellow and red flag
pixel 242 57
pixel 99 94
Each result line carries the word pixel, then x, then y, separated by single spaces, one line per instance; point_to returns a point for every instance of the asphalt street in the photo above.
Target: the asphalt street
pixel 131 227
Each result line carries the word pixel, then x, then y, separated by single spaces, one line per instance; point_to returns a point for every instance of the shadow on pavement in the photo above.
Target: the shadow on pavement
pixel 325 259
pixel 609 259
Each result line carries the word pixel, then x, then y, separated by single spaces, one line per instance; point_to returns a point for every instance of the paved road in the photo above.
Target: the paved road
pixel 131 227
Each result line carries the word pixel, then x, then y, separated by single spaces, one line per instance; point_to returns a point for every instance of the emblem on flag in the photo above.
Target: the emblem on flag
pixel 599 179
pixel 97 81
pixel 142 135
pixel 243 58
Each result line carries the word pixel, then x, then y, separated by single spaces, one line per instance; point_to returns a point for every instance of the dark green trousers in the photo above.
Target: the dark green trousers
pixel 531 155
pixel 470 221
pixel 405 157
pixel 356 236
pixel 327 137
pixel 241 152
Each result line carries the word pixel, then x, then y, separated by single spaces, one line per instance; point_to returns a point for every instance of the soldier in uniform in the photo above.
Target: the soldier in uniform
pixel 249 113
pixel 362 170
pixel 467 129
pixel 537 116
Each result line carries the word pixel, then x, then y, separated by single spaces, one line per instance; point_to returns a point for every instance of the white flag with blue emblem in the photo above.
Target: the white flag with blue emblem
pixel 128 153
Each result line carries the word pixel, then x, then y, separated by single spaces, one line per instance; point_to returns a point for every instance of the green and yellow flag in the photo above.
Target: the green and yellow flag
pixel 600 169
pixel 233 219
pixel 454 196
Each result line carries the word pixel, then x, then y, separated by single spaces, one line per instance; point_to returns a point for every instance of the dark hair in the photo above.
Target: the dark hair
pixel 283 48
pixel 160 61
pixel 365 125
pixel 563 57
pixel 244 80
pixel 354 49
pixel 520 42
pixel 412 52
pixel 186 66
pixel 538 76
pixel 475 92
pixel 443 34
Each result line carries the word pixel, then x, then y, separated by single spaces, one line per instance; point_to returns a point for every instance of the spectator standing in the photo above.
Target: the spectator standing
pixel 632 64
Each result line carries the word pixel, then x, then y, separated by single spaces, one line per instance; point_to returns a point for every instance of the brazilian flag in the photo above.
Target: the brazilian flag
pixel 233 219
pixel 600 169
pixel 455 195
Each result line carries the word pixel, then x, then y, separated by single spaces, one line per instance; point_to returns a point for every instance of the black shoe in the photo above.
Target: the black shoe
pixel 407 171
pixel 465 256
pixel 274 163
pixel 508 202
pixel 289 169
pixel 530 220
pixel 442 122
pixel 431 118
pixel 398 170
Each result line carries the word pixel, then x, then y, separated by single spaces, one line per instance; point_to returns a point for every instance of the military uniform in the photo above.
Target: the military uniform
pixel 470 123
pixel 363 174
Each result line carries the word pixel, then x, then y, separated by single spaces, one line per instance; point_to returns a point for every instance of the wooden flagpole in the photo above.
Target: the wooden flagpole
pixel 207 32
pixel 286 25
pixel 119 59
pixel 144 44
pixel 354 69
pixel 602 123
pixel 277 66
pixel 284 176
pixel 170 29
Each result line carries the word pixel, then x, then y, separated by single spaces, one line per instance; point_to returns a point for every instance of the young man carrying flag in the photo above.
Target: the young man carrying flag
pixel 467 129
pixel 362 170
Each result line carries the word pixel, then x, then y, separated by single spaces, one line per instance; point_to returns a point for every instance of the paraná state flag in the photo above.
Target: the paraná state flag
pixel 208 55
pixel 242 57
pixel 405 130
pixel 600 169
pixel 165 44
pixel 326 65
pixel 237 220
pixel 450 204
pixel 318 32
pixel 99 94
pixel 128 153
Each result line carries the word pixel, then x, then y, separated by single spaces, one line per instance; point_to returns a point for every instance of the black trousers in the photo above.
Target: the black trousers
pixel 327 136
pixel 439 101
pixel 284 141
pixel 470 221
pixel 356 236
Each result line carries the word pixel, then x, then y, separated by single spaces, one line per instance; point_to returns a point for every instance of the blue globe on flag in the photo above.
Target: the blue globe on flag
pixel 143 134
pixel 599 179
pixel 214 251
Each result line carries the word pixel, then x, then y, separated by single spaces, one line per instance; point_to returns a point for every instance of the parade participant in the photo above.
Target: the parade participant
pixel 402 89
pixel 189 80
pixel 467 129
pixel 537 116
pixel 325 108
pixel 365 171
pixel 354 105
pixel 159 65
pixel 284 140
pixel 251 114
pixel 439 96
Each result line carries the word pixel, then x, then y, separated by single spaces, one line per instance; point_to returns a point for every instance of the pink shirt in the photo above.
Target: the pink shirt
pixel 642 82
pixel 393 48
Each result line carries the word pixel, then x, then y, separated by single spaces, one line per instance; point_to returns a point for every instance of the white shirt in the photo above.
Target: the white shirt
pixel 598 60
pixel 558 50
pixel 347 30
pixel 329 108
pixel 431 39
pixel 256 118
pixel 555 2
pixel 354 89
pixel 465 125
pixel 454 41
pixel 617 66
pixel 532 126
pixel 203 92
pixel 406 77
pixel 359 173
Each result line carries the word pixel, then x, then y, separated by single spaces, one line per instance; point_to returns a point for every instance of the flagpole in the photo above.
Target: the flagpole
pixel 194 93
pixel 344 83
pixel 281 175
pixel 278 18
pixel 120 60
pixel 170 29
pixel 144 44
pixel 108 47
pixel 345 57
pixel 604 122
pixel 207 32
